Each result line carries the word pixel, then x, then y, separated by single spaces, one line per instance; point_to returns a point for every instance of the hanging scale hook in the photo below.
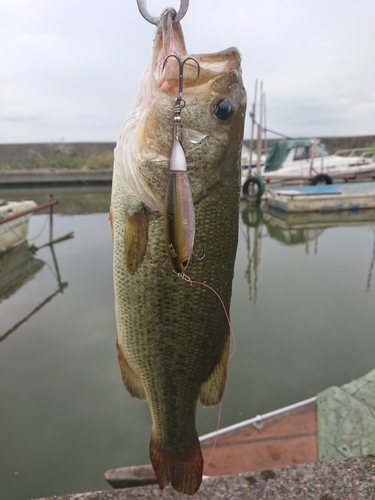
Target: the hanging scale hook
pixel 142 6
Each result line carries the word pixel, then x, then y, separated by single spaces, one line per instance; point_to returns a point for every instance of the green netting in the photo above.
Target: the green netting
pixel 280 150
pixel 346 419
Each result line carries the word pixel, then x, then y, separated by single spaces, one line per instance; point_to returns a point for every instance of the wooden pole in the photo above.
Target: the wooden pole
pixel 265 122
pixel 252 114
pixel 259 141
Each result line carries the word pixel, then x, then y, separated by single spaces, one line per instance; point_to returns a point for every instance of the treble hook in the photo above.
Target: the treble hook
pixel 142 6
pixel 181 65
pixel 179 102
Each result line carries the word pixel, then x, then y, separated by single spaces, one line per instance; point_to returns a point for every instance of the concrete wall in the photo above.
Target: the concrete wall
pixel 21 155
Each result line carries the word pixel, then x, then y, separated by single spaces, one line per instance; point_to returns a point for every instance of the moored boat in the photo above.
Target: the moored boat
pixel 307 161
pixel 14 223
pixel 322 198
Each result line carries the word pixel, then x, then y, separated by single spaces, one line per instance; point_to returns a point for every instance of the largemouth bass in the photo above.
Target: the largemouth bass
pixel 173 339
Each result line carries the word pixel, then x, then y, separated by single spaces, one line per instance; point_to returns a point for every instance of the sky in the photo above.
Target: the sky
pixel 69 69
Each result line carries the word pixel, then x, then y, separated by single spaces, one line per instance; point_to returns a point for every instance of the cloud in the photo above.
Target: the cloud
pixel 72 68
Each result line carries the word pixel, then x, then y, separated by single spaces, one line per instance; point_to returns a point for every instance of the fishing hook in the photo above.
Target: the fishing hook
pixel 181 65
pixel 179 101
pixel 142 6
pixel 199 258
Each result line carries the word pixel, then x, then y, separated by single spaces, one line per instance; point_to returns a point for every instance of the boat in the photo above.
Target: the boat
pixel 322 198
pixel 14 223
pixel 299 159
pixel 308 161
pixel 250 158
pixel 337 423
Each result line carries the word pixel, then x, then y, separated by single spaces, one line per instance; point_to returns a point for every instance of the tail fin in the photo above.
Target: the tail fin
pixel 181 468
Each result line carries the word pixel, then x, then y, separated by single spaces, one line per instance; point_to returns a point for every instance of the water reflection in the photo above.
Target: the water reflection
pixel 293 229
pixel 19 265
pixel 74 200
pixel 252 218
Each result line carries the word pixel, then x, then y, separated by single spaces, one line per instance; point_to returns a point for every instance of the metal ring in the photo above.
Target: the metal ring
pixel 142 6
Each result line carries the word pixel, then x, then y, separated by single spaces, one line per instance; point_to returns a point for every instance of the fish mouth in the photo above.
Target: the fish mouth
pixel 169 40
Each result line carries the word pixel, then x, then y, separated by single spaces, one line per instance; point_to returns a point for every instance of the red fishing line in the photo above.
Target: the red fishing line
pixel 191 283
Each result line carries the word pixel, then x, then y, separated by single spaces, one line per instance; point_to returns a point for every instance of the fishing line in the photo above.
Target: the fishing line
pixel 191 283
pixel 41 231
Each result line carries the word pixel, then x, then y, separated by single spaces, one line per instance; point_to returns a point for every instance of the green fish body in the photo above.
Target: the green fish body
pixel 173 337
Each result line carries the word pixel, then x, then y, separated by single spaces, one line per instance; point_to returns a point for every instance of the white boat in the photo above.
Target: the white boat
pixel 307 160
pixel 14 227
pixel 327 198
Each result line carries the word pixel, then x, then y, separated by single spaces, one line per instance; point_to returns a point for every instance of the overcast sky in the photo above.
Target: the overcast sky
pixel 69 69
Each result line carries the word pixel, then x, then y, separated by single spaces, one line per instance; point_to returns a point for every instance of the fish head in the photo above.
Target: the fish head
pixel 212 118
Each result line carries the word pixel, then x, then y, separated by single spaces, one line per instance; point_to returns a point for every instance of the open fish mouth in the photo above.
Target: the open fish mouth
pixel 169 39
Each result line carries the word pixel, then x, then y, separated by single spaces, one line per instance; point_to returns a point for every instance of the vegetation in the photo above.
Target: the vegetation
pixel 71 160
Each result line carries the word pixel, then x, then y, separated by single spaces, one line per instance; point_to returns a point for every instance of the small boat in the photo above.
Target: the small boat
pixel 338 423
pixel 322 198
pixel 14 222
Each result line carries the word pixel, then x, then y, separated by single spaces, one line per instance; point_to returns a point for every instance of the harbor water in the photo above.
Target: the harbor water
pixel 302 313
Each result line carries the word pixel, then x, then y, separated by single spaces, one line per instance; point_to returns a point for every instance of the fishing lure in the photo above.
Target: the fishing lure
pixel 179 214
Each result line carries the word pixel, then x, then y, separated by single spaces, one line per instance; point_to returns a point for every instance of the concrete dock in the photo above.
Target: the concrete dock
pixel 346 479
pixel 54 177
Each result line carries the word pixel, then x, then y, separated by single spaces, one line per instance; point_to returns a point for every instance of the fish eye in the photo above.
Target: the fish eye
pixel 223 109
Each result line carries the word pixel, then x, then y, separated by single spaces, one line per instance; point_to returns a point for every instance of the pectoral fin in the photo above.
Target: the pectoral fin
pixel 212 390
pixel 131 381
pixel 135 239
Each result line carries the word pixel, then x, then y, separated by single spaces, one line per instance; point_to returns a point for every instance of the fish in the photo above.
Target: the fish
pixel 173 337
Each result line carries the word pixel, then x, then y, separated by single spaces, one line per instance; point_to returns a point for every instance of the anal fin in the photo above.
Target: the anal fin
pixel 131 381
pixel 135 239
pixel 212 390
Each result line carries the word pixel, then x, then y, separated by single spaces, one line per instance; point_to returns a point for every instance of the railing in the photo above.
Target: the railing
pixel 50 204
pixel 358 152
pixel 53 201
